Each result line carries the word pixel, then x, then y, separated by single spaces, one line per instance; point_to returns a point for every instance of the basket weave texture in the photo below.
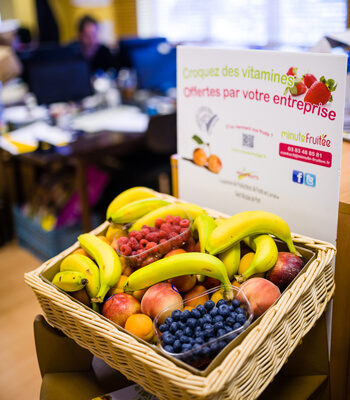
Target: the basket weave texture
pixel 247 369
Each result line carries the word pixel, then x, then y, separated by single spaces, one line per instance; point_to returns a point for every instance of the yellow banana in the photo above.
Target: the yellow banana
pixel 137 209
pixel 203 226
pixel 83 264
pixel 128 196
pixel 177 265
pixel 231 258
pixel 180 209
pixel 69 281
pixel 107 260
pixel 249 223
pixel 193 209
pixel 265 257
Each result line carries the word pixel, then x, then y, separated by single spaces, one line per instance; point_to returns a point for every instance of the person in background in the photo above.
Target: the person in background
pixel 98 55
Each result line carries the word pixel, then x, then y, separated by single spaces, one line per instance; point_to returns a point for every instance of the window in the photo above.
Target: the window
pixel 252 23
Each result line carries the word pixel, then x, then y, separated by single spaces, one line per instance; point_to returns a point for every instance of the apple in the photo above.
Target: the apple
pixel 287 267
pixel 119 307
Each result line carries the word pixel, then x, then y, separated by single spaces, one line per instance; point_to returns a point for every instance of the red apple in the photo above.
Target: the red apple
pixel 119 307
pixel 161 296
pixel 287 267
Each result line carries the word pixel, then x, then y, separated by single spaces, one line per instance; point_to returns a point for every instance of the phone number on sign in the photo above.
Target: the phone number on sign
pixel 311 156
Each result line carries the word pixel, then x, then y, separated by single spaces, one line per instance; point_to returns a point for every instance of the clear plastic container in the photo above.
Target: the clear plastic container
pixel 201 354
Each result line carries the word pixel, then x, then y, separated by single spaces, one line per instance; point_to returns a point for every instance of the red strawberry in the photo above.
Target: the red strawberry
pixel 292 71
pixel 298 88
pixel 320 91
pixel 309 79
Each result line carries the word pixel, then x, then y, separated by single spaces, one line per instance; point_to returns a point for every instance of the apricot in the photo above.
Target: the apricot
pixel 184 283
pixel 115 231
pixel 244 264
pixel 104 239
pixel 196 291
pixel 118 287
pixel 138 294
pixel 214 164
pixel 175 251
pixel 218 295
pixel 140 325
pixel 199 157
pixel 119 307
pixel 82 252
pixel 260 293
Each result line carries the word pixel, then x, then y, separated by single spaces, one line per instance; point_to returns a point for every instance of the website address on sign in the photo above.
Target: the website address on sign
pixel 307 155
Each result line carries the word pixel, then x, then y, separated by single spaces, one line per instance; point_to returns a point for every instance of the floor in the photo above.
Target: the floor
pixel 19 372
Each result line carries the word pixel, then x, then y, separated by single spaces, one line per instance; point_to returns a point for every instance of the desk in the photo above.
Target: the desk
pixel 88 147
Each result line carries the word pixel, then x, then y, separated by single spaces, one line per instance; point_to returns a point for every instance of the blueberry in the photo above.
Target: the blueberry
pixel 221 302
pixel 241 318
pixel 198 334
pixel 182 325
pixel 201 309
pixel 184 339
pixel 186 347
pixel 200 322
pixel 229 321
pixel 192 323
pixel 174 327
pixel 176 315
pixel 168 338
pixel 188 331
pixel 209 333
pixel 207 318
pixel 198 329
pixel 233 315
pixel 214 349
pixel 195 313
pixel 205 352
pixel 209 305
pixel 224 310
pixel 169 321
pixel 206 326
pixel 169 348
pixel 239 310
pixel 163 328
pixel 214 312
pixel 185 315
pixel 199 340
pixel 220 332
pixel 237 325
pixel 236 303
pixel 177 346
pixel 218 318
pixel 179 333
pixel 228 328
pixel 218 325
pixel 196 348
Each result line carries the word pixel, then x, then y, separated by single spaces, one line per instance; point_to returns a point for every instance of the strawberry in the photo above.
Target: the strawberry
pixel 292 71
pixel 309 79
pixel 320 91
pixel 298 88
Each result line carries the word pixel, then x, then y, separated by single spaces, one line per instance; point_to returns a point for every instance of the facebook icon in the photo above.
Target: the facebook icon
pixel 298 176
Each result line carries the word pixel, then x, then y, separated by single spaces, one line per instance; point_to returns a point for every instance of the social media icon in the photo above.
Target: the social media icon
pixel 310 179
pixel 298 177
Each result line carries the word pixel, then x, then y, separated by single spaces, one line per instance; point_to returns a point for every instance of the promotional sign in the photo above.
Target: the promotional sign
pixel 262 130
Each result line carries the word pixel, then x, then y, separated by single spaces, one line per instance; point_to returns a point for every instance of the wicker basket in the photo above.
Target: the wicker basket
pixel 243 374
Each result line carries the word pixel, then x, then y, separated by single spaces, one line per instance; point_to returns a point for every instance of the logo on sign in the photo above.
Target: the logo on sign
pixel 298 177
pixel 310 180
pixel 304 178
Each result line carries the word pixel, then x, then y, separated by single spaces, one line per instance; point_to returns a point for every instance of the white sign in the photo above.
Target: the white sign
pixel 267 141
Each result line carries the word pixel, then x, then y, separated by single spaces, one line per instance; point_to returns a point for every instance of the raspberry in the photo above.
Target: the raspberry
pixel 152 237
pixel 163 235
pixel 122 240
pixel 125 250
pixel 144 231
pixel 143 243
pixel 153 229
pixel 158 223
pixel 164 246
pixel 177 220
pixel 185 223
pixel 134 244
pixel 185 234
pixel 177 228
pixel 136 234
pixel 151 247
pixel 169 219
pixel 166 227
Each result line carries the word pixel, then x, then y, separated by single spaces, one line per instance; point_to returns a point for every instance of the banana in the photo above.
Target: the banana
pixel 107 260
pixel 83 264
pixel 231 258
pixel 128 196
pixel 137 209
pixel 177 265
pixel 266 253
pixel 180 209
pixel 249 223
pixel 193 209
pixel 203 226
pixel 69 281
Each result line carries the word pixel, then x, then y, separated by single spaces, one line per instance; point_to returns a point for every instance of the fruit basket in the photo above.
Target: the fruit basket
pixel 243 371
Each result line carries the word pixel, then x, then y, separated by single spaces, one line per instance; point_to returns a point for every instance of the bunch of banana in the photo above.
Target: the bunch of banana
pixel 70 281
pixel 129 196
pixel 231 258
pixel 109 264
pixel 248 223
pixel 137 209
pixel 184 210
pixel 266 253
pixel 191 263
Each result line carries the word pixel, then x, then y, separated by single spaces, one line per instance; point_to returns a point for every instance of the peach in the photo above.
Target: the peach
pixel 214 164
pixel 184 283
pixel 119 307
pixel 140 325
pixel 159 297
pixel 175 251
pixel 199 157
pixel 138 294
pixel 260 293
pixel 210 282
pixel 196 291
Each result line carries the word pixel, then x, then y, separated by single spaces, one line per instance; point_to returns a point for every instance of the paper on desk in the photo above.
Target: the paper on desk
pixel 133 392
pixel 119 119
pixel 27 139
